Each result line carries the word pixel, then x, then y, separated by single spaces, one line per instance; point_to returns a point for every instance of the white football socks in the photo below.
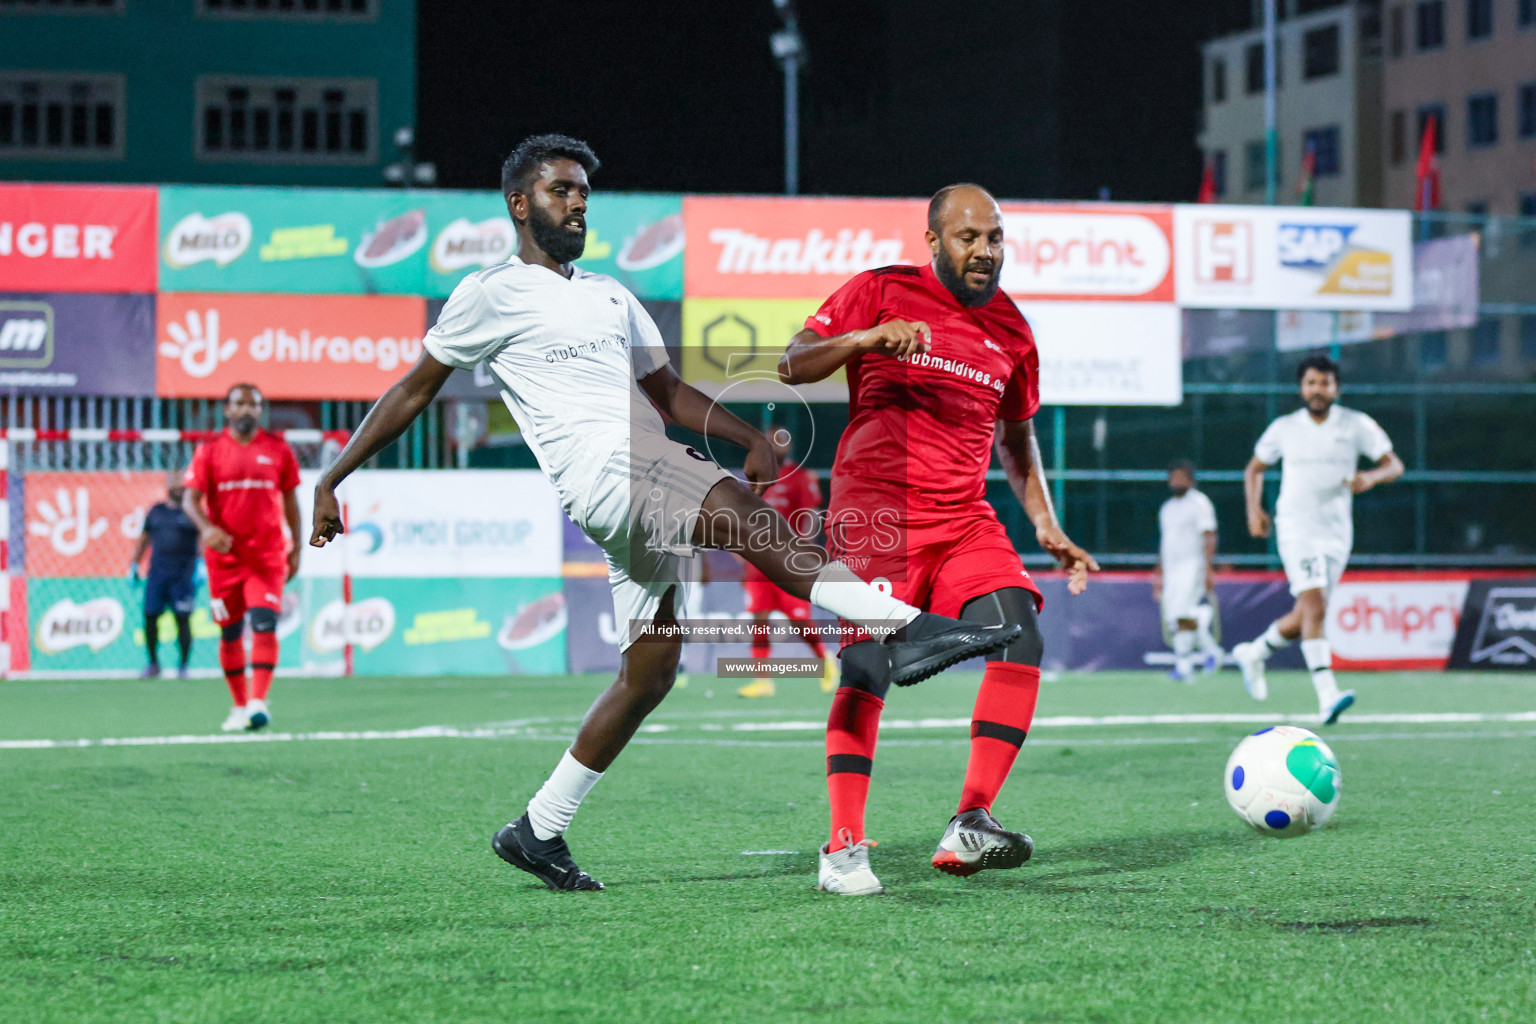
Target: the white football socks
pixel 554 805
pixel 1203 618
pixel 1271 641
pixel 838 590
pixel 1319 657
pixel 1183 647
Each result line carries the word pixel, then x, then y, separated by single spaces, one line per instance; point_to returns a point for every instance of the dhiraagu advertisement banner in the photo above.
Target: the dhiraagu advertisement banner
pixel 469 626
pixel 406 242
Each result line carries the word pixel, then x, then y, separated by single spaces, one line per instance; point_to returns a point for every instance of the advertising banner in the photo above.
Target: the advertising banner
pixel 1108 353
pixel 1446 288
pixel 62 343
pixel 77 238
pixel 83 523
pixel 1393 621
pixel 789 248
pixel 372 241
pixel 445 626
pixel 1216 333
pixel 1498 627
pixel 731 350
pixel 1103 252
pixel 291 346
pixel 424 523
pixel 1260 257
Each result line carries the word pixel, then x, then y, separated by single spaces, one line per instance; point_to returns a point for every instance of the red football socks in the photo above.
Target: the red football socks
pixel 809 636
pixel 760 647
pixel 852 729
pixel 1005 706
pixel 263 661
pixel 232 661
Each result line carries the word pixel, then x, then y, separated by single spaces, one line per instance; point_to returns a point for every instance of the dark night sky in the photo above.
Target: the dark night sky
pixel 1034 98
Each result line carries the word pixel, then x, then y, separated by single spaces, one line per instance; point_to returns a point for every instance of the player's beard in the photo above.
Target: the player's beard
pixel 954 280
pixel 245 424
pixel 557 242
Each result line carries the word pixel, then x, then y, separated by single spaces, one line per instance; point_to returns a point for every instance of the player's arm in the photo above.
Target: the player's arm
pixel 386 421
pixel 1253 494
pixel 810 357
pixel 214 538
pixel 691 408
pixel 1388 468
pixel 1210 558
pixel 1018 449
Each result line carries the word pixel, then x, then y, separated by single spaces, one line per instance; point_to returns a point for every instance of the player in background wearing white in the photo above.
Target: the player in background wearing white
pixel 1186 571
pixel 1320 446
pixel 584 372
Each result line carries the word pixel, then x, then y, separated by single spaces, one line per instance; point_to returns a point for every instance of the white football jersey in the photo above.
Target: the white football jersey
pixel 1184 522
pixel 1318 460
pixel 567 352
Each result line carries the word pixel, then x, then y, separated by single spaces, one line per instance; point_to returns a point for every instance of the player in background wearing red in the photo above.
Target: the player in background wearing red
pixel 941 367
pixel 240 493
pixel 795 495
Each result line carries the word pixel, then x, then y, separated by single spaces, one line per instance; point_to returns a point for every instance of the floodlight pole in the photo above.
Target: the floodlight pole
pixel 1271 138
pixel 789 50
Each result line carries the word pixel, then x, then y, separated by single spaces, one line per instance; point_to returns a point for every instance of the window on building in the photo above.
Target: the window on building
pixel 1528 213
pixel 1397 136
pixel 60 116
pixel 312 10
pixel 1219 171
pixel 61 6
pixel 1255 68
pixel 1437 111
pixel 1485 342
pixel 1219 80
pixel 1320 52
pixel 1324 143
pixel 1395 22
pixel 1429 24
pixel 1482 120
pixel 1528 337
pixel 287 120
pixel 1528 110
pixel 1479 19
pixel 1432 350
pixel 1253 166
pixel 1526 13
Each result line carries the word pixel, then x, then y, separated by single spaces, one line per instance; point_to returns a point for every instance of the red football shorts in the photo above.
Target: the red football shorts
pixel 234 588
pixel 764 596
pixel 936 565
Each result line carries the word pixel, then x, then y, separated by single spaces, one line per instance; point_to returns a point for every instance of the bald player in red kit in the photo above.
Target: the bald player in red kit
pixel 941 369
pixel 795 495
pixel 240 493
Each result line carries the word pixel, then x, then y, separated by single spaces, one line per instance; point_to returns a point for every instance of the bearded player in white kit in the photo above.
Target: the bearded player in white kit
pixel 1320 446
pixel 584 372
pixel 1186 571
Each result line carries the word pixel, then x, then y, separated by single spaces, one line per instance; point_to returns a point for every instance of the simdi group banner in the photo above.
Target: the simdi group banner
pixel 1096 282
pixel 378 241
pixel 77 238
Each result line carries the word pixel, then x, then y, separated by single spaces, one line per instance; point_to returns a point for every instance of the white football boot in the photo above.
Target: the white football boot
pixel 239 720
pixel 974 840
pixel 1329 712
pixel 257 715
pixel 1251 661
pixel 847 872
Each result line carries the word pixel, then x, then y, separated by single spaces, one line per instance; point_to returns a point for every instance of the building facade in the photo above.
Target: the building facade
pixel 207 91
pixel 1472 64
pixel 1328 74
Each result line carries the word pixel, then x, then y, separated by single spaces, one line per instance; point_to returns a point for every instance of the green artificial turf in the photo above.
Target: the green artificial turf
pixel 332 880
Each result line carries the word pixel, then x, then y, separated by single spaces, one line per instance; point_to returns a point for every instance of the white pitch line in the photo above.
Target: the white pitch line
pixel 1070 721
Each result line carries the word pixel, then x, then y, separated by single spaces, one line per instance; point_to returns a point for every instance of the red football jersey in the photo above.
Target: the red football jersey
pixel 243 487
pixel 796 495
pixel 920 429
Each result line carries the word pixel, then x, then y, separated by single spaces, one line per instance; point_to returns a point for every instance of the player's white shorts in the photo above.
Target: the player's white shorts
pixel 641 511
pixel 1312 562
pixel 1184 587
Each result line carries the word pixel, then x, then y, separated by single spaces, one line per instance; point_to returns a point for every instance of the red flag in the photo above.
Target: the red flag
pixel 1428 171
pixel 1305 182
pixel 1207 184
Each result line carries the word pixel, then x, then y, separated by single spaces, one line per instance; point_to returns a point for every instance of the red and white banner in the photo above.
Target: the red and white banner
pixel 290 346
pixel 1088 252
pixel 77 238
pixel 86 523
pixel 1394 621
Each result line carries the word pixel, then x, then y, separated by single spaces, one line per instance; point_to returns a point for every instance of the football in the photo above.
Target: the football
pixel 1283 781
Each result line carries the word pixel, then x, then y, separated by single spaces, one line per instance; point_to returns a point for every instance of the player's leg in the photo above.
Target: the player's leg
pixel 1305 569
pixel 853 727
pixel 1181 591
pixel 759 603
pixel 154 607
pixel 918 643
pixel 1207 629
pixel 183 595
pixel 226 601
pixel 1184 641
pixel 535 842
pixel 1315 649
pixel 1005 708
pixel 263 598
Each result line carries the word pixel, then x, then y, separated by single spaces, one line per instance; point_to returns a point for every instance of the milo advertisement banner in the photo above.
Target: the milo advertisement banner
pixel 380 241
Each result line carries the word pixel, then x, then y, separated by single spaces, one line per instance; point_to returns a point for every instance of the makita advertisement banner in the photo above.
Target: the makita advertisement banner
pixel 380 241
pixel 71 343
pixel 1498 627
pixel 77 238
